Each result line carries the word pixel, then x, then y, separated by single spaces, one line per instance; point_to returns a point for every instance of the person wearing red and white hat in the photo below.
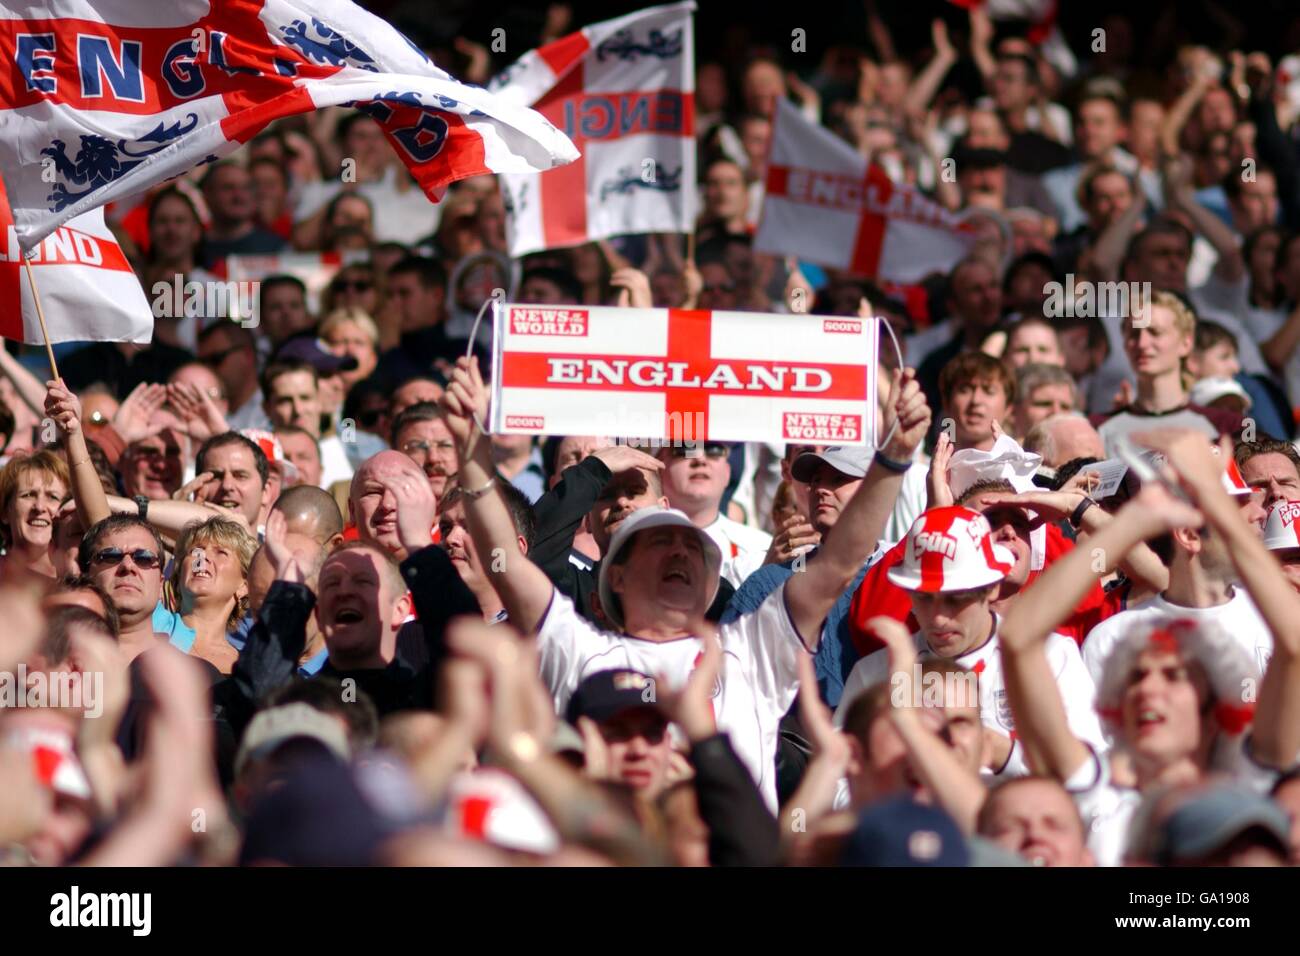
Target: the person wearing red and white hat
pixel 1179 692
pixel 1202 586
pixel 952 568
pixel 1282 537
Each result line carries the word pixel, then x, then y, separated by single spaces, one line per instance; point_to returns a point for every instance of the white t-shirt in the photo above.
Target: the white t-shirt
pixel 743 548
pixel 1107 809
pixel 1239 617
pixel 759 680
pixel 1072 680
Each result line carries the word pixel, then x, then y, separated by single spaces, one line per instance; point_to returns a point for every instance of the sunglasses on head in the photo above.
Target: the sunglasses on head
pixel 142 558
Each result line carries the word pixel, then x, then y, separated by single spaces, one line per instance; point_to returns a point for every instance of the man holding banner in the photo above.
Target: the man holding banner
pixel 659 577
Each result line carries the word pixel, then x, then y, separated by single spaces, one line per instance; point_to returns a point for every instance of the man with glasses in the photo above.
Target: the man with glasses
pixel 124 556
pixel 695 480
pixel 228 349
pixel 421 435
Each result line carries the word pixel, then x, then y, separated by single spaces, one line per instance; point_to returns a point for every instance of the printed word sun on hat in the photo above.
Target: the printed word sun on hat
pixel 644 520
pixel 1281 533
pixel 951 549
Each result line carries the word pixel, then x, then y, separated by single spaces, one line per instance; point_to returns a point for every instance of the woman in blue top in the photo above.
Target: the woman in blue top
pixel 209 586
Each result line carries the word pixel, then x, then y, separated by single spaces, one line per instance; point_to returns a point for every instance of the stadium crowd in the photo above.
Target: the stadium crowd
pixel 316 616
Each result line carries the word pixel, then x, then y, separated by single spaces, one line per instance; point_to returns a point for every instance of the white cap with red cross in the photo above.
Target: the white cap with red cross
pixel 951 549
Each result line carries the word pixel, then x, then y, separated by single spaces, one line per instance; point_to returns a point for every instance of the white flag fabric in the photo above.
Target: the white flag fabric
pixel 824 203
pixel 684 375
pixel 624 92
pixel 110 97
pixel 88 290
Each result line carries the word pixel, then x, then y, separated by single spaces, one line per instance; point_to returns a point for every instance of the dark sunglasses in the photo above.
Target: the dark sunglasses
pixel 142 558
pixel 352 285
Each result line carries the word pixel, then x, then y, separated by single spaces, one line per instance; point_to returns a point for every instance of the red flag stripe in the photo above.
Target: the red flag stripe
pixel 564 190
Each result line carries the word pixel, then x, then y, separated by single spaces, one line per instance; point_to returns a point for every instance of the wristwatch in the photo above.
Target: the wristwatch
pixel 142 506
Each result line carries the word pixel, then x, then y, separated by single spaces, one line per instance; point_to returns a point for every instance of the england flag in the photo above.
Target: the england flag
pixel 106 98
pixel 624 92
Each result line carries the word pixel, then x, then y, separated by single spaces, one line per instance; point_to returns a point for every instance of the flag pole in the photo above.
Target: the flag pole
pixel 40 317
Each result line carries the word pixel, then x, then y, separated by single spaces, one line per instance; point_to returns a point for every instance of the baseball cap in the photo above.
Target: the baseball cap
pixel 313 351
pixel 317 816
pixel 1208 390
pixel 605 693
pixel 643 520
pixel 951 549
pixel 901 832
pixel 1280 532
pixel 272 449
pixel 277 725
pixel 851 460
pixel 490 805
pixel 1210 820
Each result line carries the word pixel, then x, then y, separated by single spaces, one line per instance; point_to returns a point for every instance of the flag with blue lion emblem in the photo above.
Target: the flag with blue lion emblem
pixel 110 97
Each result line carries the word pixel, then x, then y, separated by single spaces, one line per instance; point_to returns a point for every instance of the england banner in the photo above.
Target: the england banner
pixel 684 376
pixel 826 204
pixel 88 289
pixel 624 92
pixel 105 98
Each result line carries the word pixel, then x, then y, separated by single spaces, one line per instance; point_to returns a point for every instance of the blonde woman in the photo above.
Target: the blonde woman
pixel 32 490
pixel 208 587
pixel 352 332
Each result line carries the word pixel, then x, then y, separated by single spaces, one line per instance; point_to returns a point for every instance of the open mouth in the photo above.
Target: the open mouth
pixel 348 615
pixel 228 503
pixel 1148 720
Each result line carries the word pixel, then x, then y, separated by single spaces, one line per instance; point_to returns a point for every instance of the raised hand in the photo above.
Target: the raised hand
pixel 200 415
pixel 795 536
pixel 417 509
pixel 63 406
pixel 937 490
pixel 466 397
pixel 287 565
pixel 619 458
pixel 634 288
pixel 691 707
pixel 829 745
pixel 909 407
pixel 133 417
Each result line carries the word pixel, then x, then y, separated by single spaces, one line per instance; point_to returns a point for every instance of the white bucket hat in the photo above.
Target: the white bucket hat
pixel 642 520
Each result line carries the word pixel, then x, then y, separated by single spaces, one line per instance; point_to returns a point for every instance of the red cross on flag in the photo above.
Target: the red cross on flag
pixel 102 99
pixel 624 92
pixel 683 376
pixel 88 290
pixel 826 204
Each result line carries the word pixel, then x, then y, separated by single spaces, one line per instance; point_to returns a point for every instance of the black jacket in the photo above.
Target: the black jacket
pixel 741 830
pixel 558 514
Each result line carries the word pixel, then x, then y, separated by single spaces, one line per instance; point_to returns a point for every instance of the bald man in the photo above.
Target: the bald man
pixel 372 507
pixel 1063 438
pixel 311 511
